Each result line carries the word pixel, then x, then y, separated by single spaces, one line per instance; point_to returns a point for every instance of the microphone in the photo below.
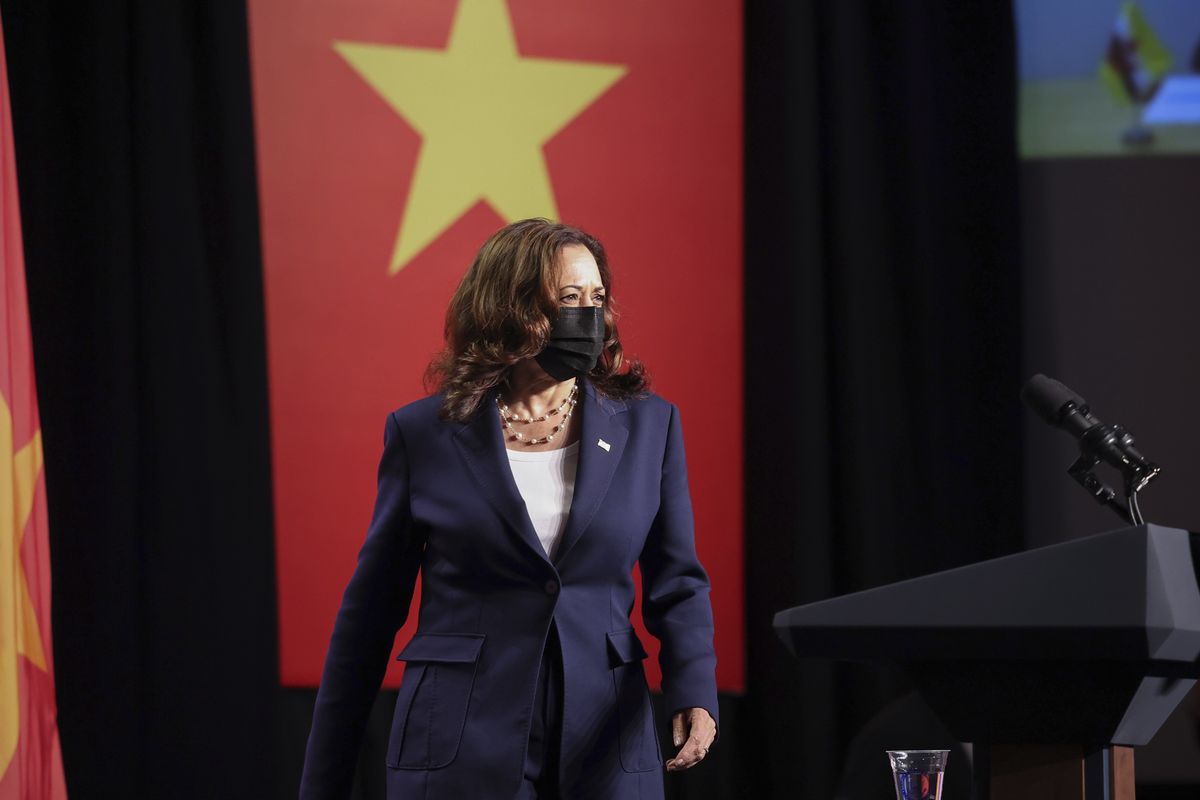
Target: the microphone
pixel 1112 444
pixel 1058 405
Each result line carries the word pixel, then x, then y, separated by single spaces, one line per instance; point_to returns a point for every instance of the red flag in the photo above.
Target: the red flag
pixel 30 758
pixel 393 138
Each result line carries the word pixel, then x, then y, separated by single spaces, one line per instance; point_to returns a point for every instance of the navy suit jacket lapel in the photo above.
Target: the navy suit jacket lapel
pixel 481 443
pixel 602 425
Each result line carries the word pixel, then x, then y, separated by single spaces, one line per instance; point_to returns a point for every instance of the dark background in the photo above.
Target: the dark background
pixel 904 273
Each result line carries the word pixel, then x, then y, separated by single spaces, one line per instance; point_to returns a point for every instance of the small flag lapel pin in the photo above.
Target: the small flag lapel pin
pixel 604 444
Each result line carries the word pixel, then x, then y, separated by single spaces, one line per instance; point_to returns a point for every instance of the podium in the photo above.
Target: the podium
pixel 1053 662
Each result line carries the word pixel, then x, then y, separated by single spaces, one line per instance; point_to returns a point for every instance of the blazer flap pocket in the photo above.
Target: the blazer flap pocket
pixel 445 648
pixel 624 647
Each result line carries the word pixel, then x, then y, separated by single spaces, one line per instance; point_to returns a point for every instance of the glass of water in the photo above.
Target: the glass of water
pixel 918 773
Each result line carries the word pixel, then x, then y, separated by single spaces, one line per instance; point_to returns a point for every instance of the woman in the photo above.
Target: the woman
pixel 525 491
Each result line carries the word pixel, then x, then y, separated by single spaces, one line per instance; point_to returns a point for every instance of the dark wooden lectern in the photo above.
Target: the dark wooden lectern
pixel 1054 662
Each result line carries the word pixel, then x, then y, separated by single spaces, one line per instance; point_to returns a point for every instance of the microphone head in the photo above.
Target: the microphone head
pixel 1049 398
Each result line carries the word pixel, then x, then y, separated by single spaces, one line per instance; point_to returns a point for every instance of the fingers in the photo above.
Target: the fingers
pixel 691 754
pixel 678 731
pixel 701 733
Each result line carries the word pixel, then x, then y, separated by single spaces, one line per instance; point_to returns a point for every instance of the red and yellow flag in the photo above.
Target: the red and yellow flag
pixel 394 136
pixel 30 758
pixel 1136 60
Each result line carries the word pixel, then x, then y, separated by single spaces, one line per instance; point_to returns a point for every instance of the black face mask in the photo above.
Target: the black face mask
pixel 576 341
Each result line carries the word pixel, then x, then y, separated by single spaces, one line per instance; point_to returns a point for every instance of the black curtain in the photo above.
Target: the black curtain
pixel 882 338
pixel 135 161
pixel 882 335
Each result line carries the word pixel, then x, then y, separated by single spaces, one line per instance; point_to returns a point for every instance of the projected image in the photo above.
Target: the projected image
pixel 1108 78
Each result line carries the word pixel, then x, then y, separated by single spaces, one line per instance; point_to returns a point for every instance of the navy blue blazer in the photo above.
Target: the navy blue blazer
pixel 448 506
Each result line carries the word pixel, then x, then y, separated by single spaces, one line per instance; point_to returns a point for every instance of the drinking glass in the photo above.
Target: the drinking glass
pixel 918 773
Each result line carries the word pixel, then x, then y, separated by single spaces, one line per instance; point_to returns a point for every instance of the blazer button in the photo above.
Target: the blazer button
pixel 551 587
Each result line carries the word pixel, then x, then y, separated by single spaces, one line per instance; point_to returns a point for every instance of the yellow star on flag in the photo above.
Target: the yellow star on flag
pixel 483 113
pixel 19 634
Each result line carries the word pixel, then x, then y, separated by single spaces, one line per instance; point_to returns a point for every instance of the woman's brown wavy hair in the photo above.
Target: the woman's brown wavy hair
pixel 502 311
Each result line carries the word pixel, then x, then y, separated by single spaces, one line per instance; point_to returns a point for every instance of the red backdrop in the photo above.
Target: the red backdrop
pixel 651 165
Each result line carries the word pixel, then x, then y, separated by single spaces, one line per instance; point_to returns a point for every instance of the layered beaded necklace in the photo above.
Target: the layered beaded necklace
pixel 507 418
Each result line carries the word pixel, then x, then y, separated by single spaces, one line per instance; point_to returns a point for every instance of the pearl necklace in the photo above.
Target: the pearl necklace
pixel 507 418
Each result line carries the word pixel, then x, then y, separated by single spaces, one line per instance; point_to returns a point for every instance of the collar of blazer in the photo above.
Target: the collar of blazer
pixel 481 443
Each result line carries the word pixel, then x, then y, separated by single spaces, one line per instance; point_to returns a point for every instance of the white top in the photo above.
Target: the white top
pixel 546 481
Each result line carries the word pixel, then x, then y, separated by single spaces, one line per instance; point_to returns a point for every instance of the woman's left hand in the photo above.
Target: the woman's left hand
pixel 693 732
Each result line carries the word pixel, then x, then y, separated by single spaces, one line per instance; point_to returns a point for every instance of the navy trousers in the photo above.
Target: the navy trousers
pixel 545 732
